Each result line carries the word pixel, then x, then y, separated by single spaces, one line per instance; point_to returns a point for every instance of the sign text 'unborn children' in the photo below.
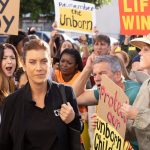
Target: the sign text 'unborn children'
pixel 104 135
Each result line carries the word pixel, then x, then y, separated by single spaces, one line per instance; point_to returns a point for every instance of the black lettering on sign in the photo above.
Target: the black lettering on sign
pixel 105 138
pixel 73 11
pixel 71 22
pixel 8 22
pixel 3 5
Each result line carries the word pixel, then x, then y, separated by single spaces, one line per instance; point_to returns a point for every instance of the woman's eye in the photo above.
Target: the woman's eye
pixel 44 61
pixel 9 57
pixel 62 61
pixel 32 62
pixel 146 49
pixel 13 58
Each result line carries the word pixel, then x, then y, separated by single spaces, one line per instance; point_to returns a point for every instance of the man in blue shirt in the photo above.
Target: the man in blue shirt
pixel 105 64
pixel 110 66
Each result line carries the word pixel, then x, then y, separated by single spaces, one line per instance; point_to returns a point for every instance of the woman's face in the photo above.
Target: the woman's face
pixel 37 66
pixel 145 57
pixel 65 45
pixel 8 62
pixel 67 64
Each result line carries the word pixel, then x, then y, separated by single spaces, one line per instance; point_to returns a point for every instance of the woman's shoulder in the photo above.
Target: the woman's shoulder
pixel 18 94
pixel 66 89
pixel 57 72
pixel 56 84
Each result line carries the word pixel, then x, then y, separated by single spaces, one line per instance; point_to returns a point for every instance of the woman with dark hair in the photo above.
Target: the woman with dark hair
pixel 17 41
pixel 8 64
pixel 70 66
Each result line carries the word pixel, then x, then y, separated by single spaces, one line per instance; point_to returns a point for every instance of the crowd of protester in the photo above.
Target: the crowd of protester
pixel 31 71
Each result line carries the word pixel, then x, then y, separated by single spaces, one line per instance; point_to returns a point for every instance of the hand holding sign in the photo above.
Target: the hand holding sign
pixel 94 120
pixel 54 34
pixel 130 111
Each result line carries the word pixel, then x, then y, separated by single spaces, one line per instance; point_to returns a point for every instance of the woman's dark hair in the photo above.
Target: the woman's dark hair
pixel 74 53
pixel 58 42
pixel 18 74
pixel 31 30
pixel 37 44
pixel 104 38
pixel 9 46
pixel 29 37
pixel 15 39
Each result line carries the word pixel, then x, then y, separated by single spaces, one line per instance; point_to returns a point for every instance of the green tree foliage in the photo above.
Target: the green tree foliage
pixel 98 3
pixel 36 7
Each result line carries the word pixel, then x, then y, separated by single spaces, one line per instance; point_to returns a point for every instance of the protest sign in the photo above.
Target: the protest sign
pixel 111 126
pixel 106 137
pixel 75 16
pixel 9 16
pixel 134 17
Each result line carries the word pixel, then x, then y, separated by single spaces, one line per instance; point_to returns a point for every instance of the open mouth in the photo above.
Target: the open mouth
pixel 8 68
pixel 98 86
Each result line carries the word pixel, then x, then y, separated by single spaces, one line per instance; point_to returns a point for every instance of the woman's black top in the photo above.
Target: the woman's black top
pixel 25 126
pixel 40 130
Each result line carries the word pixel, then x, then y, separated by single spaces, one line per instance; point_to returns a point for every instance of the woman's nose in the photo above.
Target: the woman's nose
pixel 38 66
pixel 9 60
pixel 64 64
pixel 141 52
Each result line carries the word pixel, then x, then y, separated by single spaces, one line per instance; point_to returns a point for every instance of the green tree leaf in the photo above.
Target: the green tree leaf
pixel 46 7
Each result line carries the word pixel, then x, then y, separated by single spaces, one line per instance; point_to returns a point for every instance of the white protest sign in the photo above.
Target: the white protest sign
pixel 75 16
